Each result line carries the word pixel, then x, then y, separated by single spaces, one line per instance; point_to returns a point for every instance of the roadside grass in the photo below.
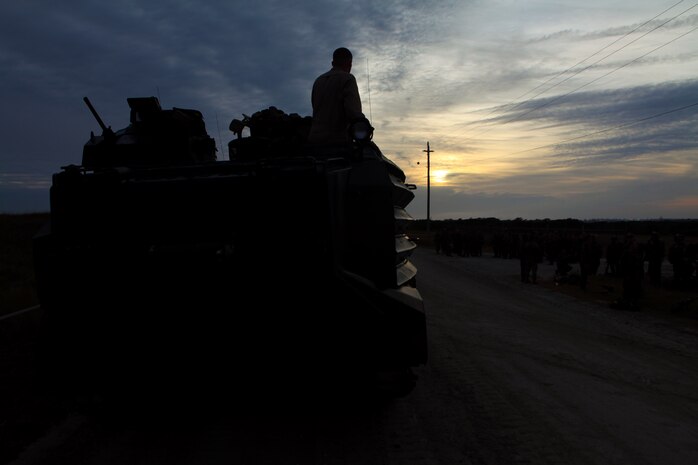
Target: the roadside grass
pixel 17 281
pixel 25 412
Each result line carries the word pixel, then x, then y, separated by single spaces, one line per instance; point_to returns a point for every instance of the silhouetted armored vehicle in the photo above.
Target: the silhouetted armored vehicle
pixel 163 268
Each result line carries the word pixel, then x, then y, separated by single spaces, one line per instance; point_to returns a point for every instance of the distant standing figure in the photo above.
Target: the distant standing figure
pixel 336 102
pixel 531 256
pixel 679 259
pixel 632 266
pixel 613 254
pixel 654 251
pixel 589 259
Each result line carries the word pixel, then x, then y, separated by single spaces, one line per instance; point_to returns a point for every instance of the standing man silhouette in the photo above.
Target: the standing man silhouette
pixel 336 102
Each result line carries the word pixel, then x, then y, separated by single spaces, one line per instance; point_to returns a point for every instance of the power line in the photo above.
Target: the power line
pixel 632 123
pixel 586 68
pixel 429 151
pixel 559 97
pixel 599 51
pixel 612 53
pixel 600 77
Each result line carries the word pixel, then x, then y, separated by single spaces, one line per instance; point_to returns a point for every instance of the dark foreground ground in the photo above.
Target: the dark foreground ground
pixel 518 373
pixel 473 403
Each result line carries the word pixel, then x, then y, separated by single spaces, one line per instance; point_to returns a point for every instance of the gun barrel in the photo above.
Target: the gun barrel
pixel 94 113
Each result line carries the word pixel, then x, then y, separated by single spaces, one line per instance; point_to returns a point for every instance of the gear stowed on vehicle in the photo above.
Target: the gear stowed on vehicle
pixel 164 268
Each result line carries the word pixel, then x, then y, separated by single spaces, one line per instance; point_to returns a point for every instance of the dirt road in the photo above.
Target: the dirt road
pixel 517 374
pixel 538 377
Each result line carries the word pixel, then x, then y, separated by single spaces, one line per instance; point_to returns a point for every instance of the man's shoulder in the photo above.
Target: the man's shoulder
pixel 338 74
pixel 325 74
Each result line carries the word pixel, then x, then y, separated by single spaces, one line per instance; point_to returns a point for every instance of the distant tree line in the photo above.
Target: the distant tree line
pixel 664 227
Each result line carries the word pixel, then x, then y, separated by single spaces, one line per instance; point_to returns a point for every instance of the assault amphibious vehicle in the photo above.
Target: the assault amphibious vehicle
pixel 163 266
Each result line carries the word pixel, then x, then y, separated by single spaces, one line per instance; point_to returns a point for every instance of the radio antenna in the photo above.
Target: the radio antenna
pixel 368 81
pixel 220 139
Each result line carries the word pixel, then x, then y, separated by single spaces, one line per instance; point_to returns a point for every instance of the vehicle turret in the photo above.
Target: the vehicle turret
pixel 153 137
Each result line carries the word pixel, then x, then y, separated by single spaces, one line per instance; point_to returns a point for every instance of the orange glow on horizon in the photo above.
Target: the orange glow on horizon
pixel 682 202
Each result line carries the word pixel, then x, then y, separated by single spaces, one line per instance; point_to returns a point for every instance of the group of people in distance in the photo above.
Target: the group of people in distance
pixel 632 260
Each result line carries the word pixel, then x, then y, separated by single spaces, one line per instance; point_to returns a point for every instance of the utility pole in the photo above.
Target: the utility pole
pixel 429 151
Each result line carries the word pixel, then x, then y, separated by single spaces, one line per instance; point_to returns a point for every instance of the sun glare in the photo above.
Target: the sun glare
pixel 439 175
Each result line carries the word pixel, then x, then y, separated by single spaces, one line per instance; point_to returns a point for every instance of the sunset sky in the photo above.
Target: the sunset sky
pixel 534 109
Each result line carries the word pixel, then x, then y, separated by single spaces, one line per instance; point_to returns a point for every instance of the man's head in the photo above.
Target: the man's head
pixel 341 58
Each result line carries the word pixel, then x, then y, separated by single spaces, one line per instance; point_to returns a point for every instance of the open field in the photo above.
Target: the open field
pixel 17 284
